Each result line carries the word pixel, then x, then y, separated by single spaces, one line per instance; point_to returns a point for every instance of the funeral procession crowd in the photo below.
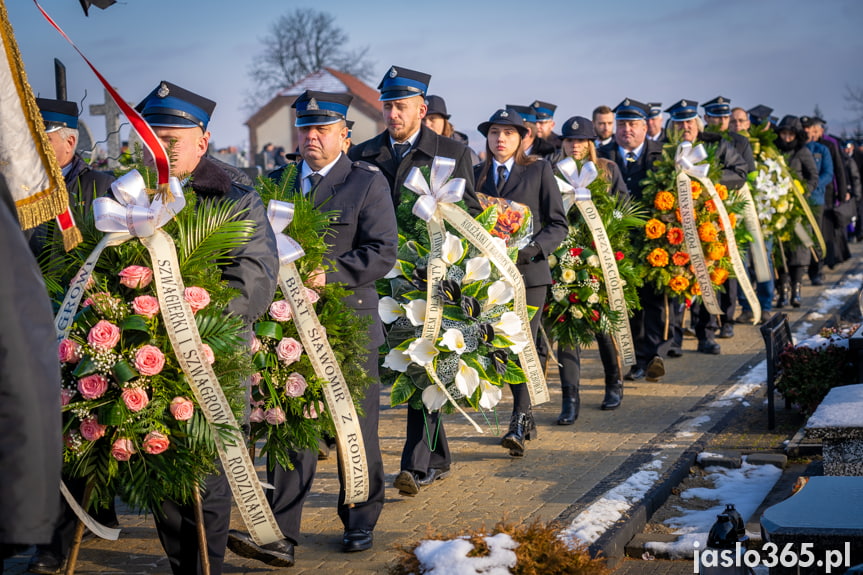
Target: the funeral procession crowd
pixel 669 238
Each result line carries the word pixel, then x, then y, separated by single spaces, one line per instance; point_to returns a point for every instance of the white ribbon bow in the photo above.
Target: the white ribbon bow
pixel 575 188
pixel 442 191
pixel 280 215
pixel 688 156
pixel 132 211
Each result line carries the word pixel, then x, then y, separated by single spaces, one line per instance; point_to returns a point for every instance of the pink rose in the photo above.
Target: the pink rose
pixel 68 351
pixel 257 415
pixel 136 277
pixel 87 302
pixel 135 398
pixel 197 297
pixel 281 310
pixel 312 410
pixel 289 350
pixel 295 386
pixel 275 416
pixel 149 360
pixel 312 295
pixel 93 386
pixel 91 430
pixel 256 345
pixel 208 353
pixel 145 305
pixel 66 396
pixel 156 443
pixel 104 335
pixel 123 449
pixel 182 408
pixel 256 378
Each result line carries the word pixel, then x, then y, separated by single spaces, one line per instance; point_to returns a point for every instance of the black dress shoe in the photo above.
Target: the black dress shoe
pixel 357 540
pixel 613 395
pixel 726 332
pixel 675 352
pixel 45 561
pixel 407 483
pixel 746 317
pixel 710 347
pixel 655 369
pixel 817 280
pixel 279 553
pixel 433 475
pixel 635 373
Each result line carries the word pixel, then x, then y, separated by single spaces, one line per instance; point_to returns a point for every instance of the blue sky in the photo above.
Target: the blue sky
pixel 789 54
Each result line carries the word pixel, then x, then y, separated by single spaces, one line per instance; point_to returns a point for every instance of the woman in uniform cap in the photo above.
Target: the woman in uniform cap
pixel 508 173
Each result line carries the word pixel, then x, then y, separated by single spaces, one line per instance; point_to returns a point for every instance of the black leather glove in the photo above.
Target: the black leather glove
pixel 528 253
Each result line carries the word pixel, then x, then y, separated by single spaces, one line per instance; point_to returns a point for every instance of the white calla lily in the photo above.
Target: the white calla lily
pixel 491 394
pixel 499 293
pixel 519 342
pixel 389 309
pixel 500 243
pixel 476 269
pixel 452 249
pixel 453 340
pixel 397 360
pixel 467 379
pixel 422 352
pixel 395 272
pixel 416 312
pixel 434 398
pixel 509 323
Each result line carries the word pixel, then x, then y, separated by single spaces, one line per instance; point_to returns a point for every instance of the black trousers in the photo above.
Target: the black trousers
pixel 426 446
pixel 569 359
pixel 292 486
pixel 177 528
pixel 535 296
pixel 650 326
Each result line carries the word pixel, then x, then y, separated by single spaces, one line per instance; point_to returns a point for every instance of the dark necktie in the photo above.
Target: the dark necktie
pixel 314 179
pixel 630 158
pixel 501 178
pixel 401 150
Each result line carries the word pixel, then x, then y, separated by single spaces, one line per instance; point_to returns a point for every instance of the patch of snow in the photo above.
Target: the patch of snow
pixel 843 407
pixel 451 557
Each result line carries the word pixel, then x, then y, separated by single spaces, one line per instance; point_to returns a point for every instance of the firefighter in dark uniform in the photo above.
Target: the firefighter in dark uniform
pixel 635 155
pixel 407 143
pixel 179 118
pixel 655 129
pixel 83 185
pixel 363 245
pixel 532 143
pixel 684 118
pixel 545 123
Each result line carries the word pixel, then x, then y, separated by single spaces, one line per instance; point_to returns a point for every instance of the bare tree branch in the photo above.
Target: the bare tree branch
pixel 854 98
pixel 297 44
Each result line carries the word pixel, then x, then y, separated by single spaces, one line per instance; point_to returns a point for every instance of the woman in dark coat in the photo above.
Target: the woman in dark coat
pixel 508 173
pixel 791 141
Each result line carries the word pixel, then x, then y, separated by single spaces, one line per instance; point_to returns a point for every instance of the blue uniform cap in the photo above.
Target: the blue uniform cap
pixel 321 108
pixel 578 128
pixel 655 109
pixel 718 107
pixel 683 110
pixel 507 117
pixel 759 114
pixel 58 114
pixel 631 109
pixel 170 106
pixel 527 113
pixel 543 110
pixel 401 83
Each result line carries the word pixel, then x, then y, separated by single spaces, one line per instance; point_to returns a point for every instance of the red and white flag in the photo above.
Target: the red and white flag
pixel 27 160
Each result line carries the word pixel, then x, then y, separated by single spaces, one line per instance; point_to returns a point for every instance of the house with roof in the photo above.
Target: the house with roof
pixel 274 121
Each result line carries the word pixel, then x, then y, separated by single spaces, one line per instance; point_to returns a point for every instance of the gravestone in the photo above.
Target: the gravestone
pixel 112 115
pixel 777 336
pixel 838 422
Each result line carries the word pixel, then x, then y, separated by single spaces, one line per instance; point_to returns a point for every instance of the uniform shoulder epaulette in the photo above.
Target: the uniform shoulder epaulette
pixel 367 166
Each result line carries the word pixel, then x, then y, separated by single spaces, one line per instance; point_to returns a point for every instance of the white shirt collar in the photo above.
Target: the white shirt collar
pixel 507 164
pixel 637 151
pixel 306 171
pixel 411 140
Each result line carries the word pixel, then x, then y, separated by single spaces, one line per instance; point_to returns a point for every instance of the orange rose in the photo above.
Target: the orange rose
pixel 680 258
pixel 663 201
pixel 722 191
pixel 654 229
pixel 732 218
pixel 716 251
pixel 677 215
pixel 710 205
pixel 718 276
pixel 707 232
pixel 674 236
pixel 678 284
pixel 696 189
pixel 696 289
pixel 658 258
